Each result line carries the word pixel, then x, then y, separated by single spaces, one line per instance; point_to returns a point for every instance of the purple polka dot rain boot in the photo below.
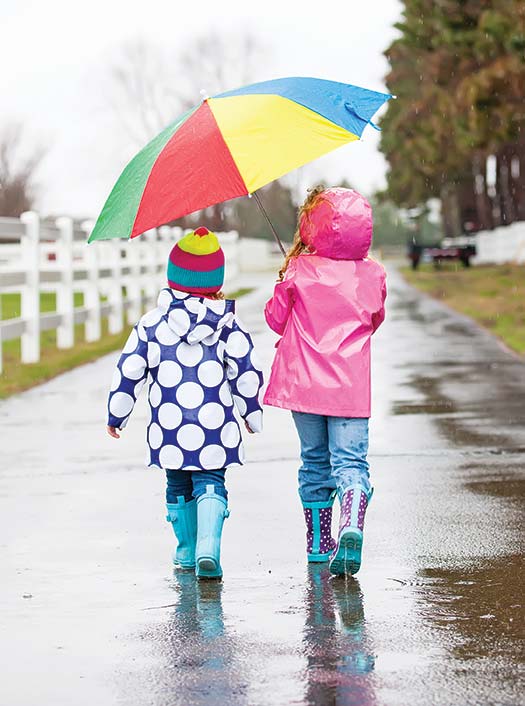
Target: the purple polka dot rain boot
pixel 319 541
pixel 346 557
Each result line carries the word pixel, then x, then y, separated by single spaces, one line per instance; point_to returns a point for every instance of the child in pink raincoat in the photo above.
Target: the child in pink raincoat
pixel 326 307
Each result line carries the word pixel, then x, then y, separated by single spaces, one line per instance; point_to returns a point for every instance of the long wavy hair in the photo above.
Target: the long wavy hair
pixel 315 195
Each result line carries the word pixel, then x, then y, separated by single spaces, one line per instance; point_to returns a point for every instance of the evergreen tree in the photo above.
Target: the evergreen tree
pixel 458 69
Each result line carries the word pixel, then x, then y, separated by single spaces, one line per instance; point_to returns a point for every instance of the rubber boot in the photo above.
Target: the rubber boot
pixel 319 541
pixel 346 557
pixel 183 518
pixel 211 511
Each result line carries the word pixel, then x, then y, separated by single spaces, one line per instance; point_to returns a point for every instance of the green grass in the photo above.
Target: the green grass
pixel 17 376
pixel 239 293
pixel 492 295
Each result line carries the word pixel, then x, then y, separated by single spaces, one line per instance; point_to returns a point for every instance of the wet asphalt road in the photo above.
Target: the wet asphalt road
pixel 92 614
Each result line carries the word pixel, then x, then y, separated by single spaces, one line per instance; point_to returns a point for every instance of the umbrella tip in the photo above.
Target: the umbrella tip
pixel 204 94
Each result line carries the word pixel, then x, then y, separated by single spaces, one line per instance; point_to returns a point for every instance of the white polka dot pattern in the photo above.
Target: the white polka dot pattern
pixel 211 415
pixel 190 437
pixel 170 415
pixel 179 322
pixel 189 355
pixel 169 373
pixel 115 380
pixel 190 395
pixel 213 456
pixel 230 435
pixel 200 365
pixel 120 404
pixel 155 436
pixel 171 457
pixel 238 344
pixel 248 384
pixel 155 395
pixel 210 373
pixel 131 343
pixel 153 354
pixel 133 367
pixel 165 335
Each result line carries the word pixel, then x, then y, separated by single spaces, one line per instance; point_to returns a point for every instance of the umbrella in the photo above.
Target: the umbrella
pixel 231 145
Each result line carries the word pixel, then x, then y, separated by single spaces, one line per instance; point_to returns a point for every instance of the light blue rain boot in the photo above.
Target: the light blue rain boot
pixel 319 541
pixel 211 511
pixel 346 557
pixel 183 518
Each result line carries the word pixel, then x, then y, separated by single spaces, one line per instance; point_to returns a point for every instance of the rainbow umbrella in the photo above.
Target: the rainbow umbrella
pixel 231 145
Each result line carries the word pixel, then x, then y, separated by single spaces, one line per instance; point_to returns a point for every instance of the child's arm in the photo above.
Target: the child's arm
pixel 278 308
pixel 129 377
pixel 379 316
pixel 244 375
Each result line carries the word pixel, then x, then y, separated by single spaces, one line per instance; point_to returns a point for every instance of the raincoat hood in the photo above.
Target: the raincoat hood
pixel 339 226
pixel 192 318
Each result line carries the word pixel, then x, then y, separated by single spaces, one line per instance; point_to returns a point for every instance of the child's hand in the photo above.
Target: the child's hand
pixel 112 431
pixel 250 431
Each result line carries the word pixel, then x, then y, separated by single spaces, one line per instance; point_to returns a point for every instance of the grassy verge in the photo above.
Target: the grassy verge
pixel 494 296
pixel 17 377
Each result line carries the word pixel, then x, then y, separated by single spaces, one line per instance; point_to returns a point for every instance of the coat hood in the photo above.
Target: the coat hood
pixel 193 318
pixel 339 226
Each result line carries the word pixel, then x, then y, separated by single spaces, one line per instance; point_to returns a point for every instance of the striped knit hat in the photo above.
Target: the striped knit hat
pixel 196 263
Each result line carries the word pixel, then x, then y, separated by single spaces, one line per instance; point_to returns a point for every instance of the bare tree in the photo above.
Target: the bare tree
pixel 17 172
pixel 216 63
pixel 150 87
pixel 145 90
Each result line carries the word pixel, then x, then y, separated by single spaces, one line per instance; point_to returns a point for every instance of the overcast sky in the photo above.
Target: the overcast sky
pixel 56 58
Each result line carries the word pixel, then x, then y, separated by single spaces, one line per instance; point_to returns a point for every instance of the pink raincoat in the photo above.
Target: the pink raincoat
pixel 326 309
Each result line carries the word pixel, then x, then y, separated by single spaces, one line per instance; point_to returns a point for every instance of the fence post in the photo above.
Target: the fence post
pixel 115 323
pixel 133 288
pixel 91 292
pixel 65 296
pixel 1 344
pixel 151 270
pixel 30 295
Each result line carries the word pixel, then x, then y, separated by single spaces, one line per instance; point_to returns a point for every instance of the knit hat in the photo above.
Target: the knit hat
pixel 196 263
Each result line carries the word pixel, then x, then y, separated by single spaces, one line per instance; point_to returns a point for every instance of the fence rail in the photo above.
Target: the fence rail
pixel 117 278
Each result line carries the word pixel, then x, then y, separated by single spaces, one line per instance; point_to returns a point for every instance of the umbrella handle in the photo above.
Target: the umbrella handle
pixel 259 203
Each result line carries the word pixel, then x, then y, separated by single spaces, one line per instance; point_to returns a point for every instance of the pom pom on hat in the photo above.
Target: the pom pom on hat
pixel 196 263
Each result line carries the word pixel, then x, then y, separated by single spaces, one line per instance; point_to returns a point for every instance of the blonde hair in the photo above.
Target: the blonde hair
pixel 215 295
pixel 315 196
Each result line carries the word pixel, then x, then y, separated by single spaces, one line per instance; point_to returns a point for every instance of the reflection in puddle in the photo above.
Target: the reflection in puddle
pixel 200 655
pixel 339 657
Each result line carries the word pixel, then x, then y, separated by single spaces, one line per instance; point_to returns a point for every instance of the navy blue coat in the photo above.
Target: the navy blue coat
pixel 199 363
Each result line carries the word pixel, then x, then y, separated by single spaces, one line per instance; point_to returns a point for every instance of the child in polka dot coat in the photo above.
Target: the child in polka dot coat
pixel 200 363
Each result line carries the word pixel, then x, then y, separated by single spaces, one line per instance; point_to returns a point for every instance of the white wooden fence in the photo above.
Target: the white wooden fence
pixel 116 277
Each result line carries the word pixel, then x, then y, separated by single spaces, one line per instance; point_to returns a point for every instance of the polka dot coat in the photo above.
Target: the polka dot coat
pixel 199 363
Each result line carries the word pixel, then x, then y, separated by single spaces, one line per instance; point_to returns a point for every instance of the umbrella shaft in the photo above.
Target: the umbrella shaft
pixel 259 203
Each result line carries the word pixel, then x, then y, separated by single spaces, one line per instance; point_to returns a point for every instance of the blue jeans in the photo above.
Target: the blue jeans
pixel 333 452
pixel 192 484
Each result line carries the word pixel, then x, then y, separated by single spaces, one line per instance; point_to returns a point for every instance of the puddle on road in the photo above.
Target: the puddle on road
pixel 497 480
pixel 480 608
pixel 447 412
pixel 199 649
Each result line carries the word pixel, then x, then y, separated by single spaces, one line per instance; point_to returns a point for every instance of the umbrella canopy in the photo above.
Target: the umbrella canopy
pixel 232 144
